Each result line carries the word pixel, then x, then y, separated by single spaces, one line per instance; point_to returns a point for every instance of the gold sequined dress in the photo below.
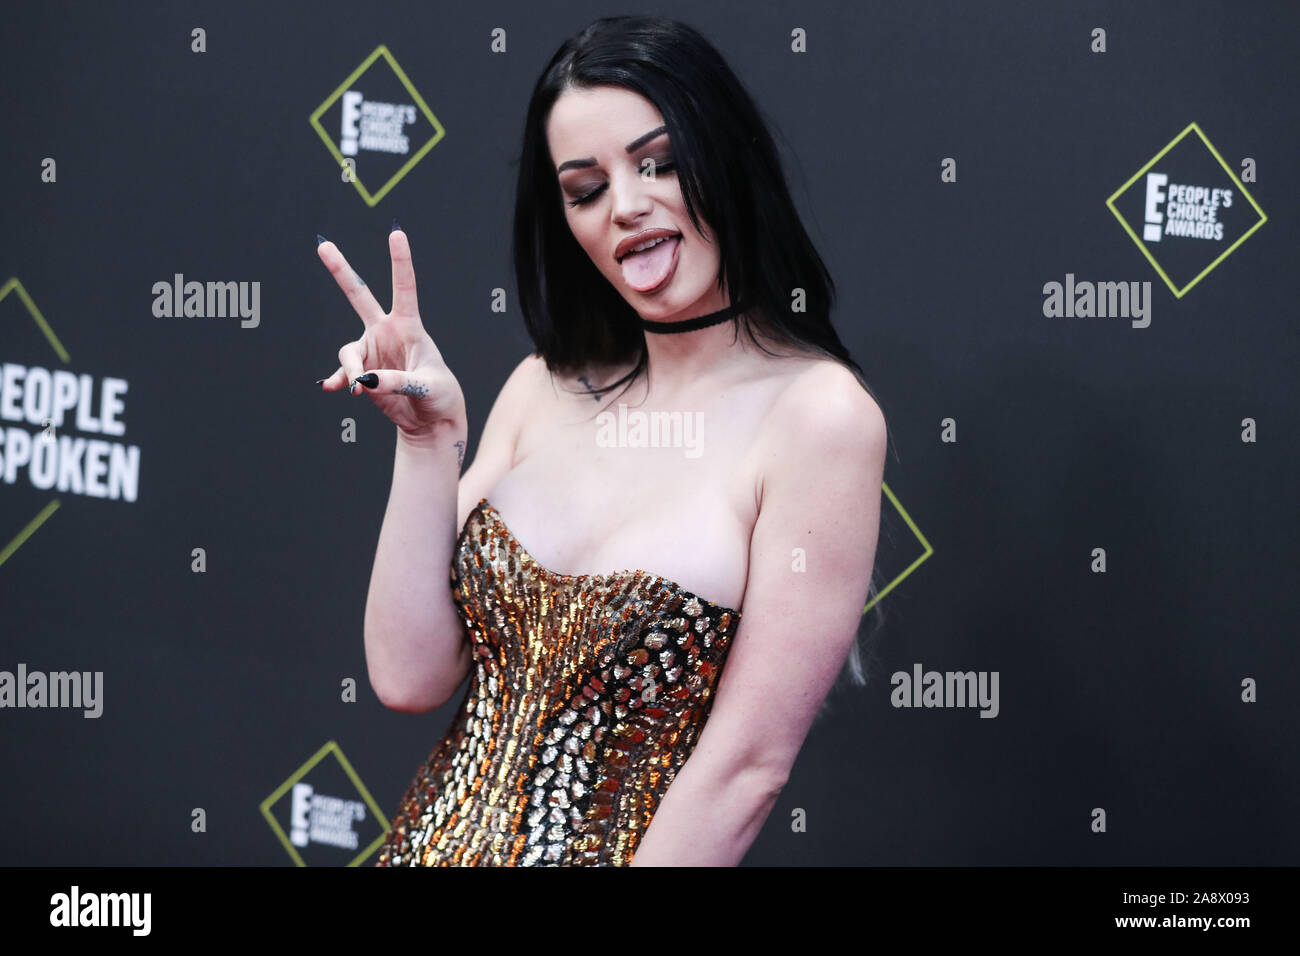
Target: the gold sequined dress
pixel 586 695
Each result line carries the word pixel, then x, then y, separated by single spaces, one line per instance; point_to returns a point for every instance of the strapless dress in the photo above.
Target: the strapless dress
pixel 587 693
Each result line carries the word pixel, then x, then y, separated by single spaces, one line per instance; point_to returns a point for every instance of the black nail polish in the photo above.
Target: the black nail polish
pixel 369 380
pixel 396 227
pixel 319 238
pixel 319 380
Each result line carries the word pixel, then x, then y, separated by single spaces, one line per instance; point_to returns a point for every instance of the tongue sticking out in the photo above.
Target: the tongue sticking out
pixel 645 270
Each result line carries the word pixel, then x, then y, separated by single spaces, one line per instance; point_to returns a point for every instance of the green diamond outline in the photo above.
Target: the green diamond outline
pixel 331 747
pixel 314 120
pixel 929 550
pixel 1179 293
pixel 13 284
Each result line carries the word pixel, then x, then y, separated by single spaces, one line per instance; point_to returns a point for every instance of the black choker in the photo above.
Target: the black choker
pixel 690 325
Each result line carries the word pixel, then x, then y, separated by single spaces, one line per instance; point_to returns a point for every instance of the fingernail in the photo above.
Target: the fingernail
pixel 369 380
pixel 396 227
pixel 352 386
pixel 319 380
pixel 319 238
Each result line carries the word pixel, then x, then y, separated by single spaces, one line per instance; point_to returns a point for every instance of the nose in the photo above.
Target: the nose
pixel 630 197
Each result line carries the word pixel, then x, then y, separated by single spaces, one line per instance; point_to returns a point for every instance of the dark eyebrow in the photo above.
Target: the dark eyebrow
pixel 631 147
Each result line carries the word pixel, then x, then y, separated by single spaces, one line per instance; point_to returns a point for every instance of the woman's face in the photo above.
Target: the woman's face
pixel 609 198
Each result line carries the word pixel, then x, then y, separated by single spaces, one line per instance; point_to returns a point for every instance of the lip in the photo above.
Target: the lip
pixel 645 235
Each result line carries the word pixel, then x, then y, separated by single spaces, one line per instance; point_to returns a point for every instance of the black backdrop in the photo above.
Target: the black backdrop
pixel 1120 690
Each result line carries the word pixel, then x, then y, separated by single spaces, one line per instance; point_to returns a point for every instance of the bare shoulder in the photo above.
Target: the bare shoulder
pixel 823 443
pixel 528 387
pixel 822 405
pixel 510 413
pixel 531 373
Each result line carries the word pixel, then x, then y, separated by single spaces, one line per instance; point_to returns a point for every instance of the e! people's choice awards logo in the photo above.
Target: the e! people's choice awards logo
pixel 1186 210
pixel 376 126
pixel 324 815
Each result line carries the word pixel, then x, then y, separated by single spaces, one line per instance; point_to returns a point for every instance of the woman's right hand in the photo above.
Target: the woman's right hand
pixel 415 389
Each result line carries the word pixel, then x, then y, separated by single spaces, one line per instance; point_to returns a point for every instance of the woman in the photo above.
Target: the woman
pixel 652 223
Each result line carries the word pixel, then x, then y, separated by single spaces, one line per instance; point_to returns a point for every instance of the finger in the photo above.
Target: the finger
pixel 334 382
pixel 352 358
pixel 358 293
pixel 395 381
pixel 404 302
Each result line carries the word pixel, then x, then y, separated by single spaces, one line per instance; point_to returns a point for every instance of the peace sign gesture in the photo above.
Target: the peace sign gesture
pixel 396 361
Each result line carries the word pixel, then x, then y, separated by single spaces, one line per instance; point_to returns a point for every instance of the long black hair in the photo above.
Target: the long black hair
pixel 731 178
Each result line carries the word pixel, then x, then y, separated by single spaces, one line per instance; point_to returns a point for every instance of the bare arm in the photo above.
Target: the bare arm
pixel 821 495
pixel 417 650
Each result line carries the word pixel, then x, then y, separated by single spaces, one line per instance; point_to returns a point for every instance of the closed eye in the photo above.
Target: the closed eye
pixel 667 167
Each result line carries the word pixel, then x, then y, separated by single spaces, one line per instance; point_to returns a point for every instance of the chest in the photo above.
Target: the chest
pixel 669 491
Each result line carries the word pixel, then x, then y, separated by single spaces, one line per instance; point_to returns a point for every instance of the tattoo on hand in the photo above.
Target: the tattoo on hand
pixel 460 453
pixel 357 277
pixel 413 389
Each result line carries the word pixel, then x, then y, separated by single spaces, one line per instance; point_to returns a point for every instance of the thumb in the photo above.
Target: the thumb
pixel 394 381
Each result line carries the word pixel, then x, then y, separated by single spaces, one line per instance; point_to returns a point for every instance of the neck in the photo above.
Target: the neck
pixel 677 359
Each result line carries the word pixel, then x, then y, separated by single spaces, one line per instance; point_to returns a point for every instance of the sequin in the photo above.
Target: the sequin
pixel 578 714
